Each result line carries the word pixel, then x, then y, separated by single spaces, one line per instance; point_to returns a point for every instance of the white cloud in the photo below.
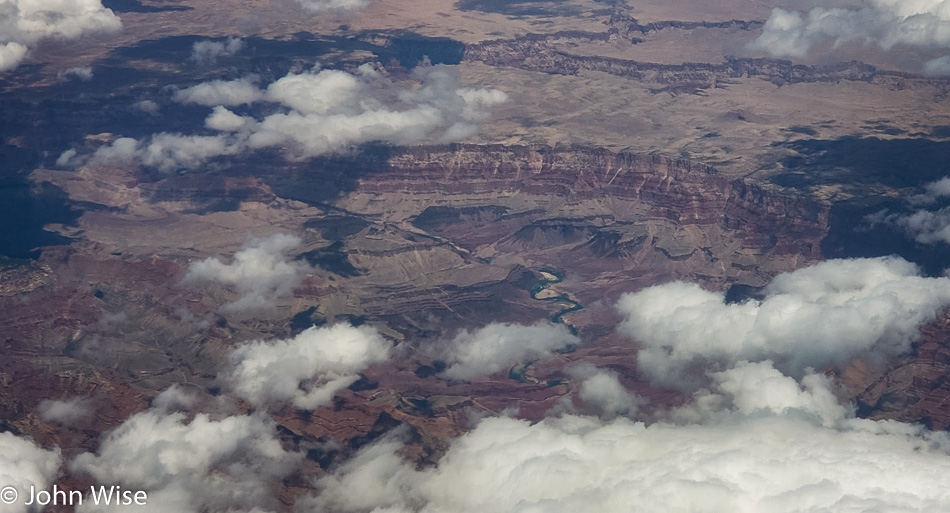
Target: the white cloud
pixel 221 92
pixel 261 271
pixel 497 347
pixel 23 23
pixel 925 225
pixel 323 92
pixel 319 112
pixel 331 110
pixel 602 391
pixel 205 464
pixel 174 397
pixel 83 73
pixel 69 412
pixel 206 52
pixel 755 387
pixel 146 106
pixel 22 465
pixel 770 445
pixel 223 120
pixel 933 191
pixel 11 54
pixel 816 316
pixel 164 151
pixel 760 465
pixel 885 23
pixel 307 369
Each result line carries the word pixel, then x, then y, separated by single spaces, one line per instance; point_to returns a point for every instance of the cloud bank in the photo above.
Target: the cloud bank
pixel 318 112
pixel 884 23
pixel 22 465
pixel 813 317
pixel 779 458
pixel 23 23
pixel 202 464
pixel 497 347
pixel 261 272
pixel 307 369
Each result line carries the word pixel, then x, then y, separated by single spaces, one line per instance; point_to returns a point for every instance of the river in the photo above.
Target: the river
pixel 542 292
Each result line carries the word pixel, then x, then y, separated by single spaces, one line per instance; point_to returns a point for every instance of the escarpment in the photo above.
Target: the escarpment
pixel 478 187
pixel 546 55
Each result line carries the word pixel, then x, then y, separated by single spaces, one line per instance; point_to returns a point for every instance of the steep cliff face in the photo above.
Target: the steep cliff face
pixel 546 54
pixel 624 24
pixel 542 197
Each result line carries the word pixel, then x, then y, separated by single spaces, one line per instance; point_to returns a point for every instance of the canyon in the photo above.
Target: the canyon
pixel 419 242
pixel 639 145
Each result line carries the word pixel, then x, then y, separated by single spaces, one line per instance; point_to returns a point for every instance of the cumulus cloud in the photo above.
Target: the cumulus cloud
pixel 206 52
pixel 885 23
pixel 933 192
pixel 221 92
pixel 23 23
pixel 317 112
pixel 164 151
pixel 764 464
pixel 22 465
pixel 70 412
pixel 497 347
pixel 205 464
pixel 307 369
pixel 929 224
pixel 759 442
pixel 602 391
pixel 261 271
pixel 754 388
pixel 83 73
pixel 174 397
pixel 817 316
pixel 147 106
pixel 924 226
pixel 11 54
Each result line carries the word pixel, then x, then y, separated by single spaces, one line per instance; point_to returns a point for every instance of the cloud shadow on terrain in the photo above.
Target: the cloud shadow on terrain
pixel 869 161
pixel 851 236
pixel 520 7
pixel 138 6
pixel 52 119
pixel 864 160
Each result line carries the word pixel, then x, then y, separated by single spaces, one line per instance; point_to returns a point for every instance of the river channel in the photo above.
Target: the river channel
pixel 542 292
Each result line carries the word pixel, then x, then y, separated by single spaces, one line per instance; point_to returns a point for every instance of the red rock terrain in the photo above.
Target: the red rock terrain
pixel 418 242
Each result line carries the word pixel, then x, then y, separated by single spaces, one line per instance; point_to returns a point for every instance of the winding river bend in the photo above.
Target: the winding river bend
pixel 541 292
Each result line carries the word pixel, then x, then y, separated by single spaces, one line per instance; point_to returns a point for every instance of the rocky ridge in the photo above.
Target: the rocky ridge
pixel 544 54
